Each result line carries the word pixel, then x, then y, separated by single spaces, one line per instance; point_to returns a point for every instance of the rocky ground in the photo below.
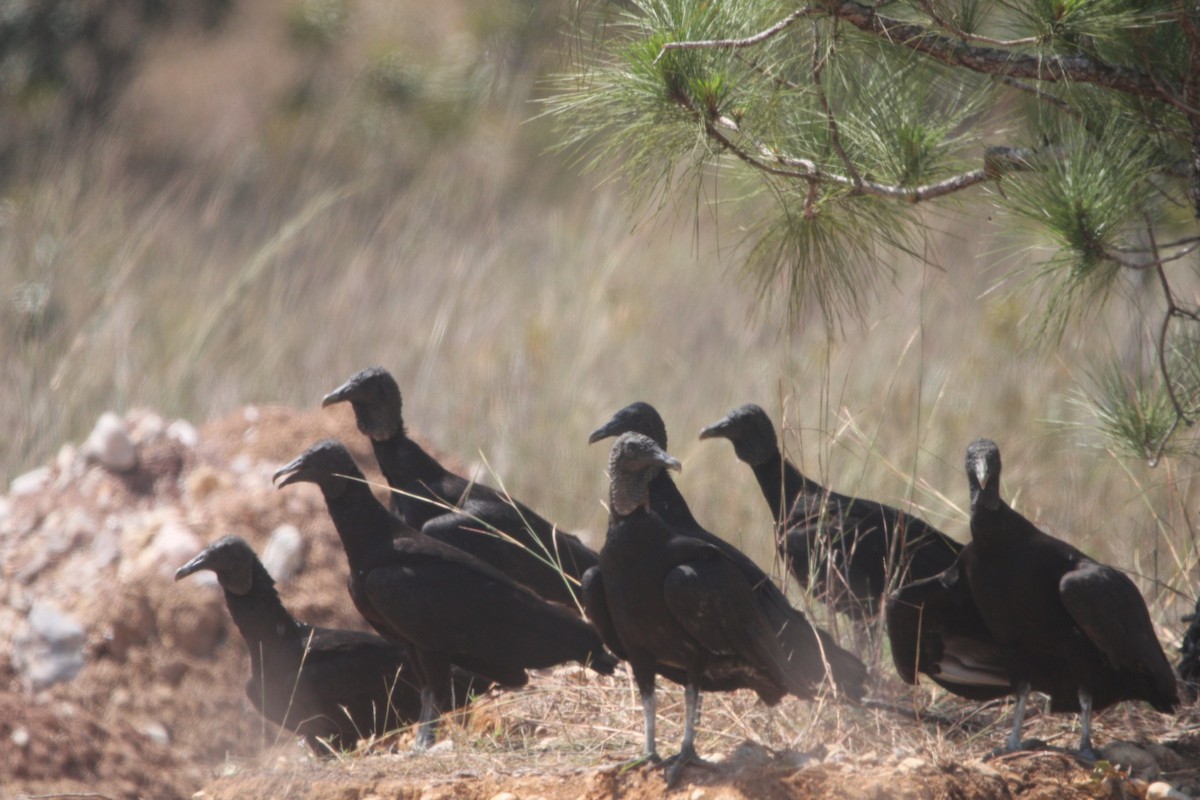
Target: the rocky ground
pixel 118 682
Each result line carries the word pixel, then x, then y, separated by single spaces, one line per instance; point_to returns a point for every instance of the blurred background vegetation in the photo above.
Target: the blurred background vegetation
pixel 209 205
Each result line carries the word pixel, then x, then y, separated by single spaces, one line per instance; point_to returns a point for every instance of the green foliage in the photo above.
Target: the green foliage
pixel 1130 410
pixel 831 121
pixel 317 23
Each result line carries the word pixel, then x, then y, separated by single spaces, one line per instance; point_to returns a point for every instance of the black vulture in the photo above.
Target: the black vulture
pixel 680 608
pixel 446 605
pixel 1068 626
pixel 852 548
pixel 326 684
pixel 486 523
pixel 669 504
pixel 1189 662
pixel 935 628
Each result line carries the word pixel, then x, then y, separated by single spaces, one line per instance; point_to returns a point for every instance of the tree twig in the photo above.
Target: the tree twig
pixel 950 27
pixel 994 60
pixel 834 136
pixel 749 41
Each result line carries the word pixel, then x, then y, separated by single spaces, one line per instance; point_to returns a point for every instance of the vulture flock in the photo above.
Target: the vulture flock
pixel 468 589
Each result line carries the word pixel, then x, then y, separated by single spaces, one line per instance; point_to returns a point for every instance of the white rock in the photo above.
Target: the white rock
pixel 1161 790
pixel 504 796
pixel 20 736
pixel 155 731
pixel 185 433
pixel 159 548
pixel 284 554
pixel 31 482
pixel 49 649
pixel 911 764
pixel 1126 754
pixel 110 444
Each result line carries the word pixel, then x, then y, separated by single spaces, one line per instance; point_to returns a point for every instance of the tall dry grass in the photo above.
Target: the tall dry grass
pixel 260 237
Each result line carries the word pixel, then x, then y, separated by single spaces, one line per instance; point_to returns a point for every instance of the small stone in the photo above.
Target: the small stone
pixel 911 764
pixel 184 432
pixel 1161 790
pixel 505 796
pixel 110 444
pixel 1126 754
pixel 20 737
pixel 30 483
pixel 1167 758
pixel 155 731
pixel 697 794
pixel 284 554
pixel 50 648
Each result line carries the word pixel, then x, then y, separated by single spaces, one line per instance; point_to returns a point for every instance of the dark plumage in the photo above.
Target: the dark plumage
pixel 527 548
pixel 1189 662
pixel 446 605
pixel 1069 627
pixel 678 607
pixel 935 628
pixel 794 631
pixel 322 683
pixel 852 548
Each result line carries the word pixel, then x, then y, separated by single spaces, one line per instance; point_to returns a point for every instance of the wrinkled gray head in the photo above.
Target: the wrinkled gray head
pixel 750 430
pixel 325 464
pixel 983 472
pixel 376 401
pixel 232 559
pixel 636 417
pixel 634 462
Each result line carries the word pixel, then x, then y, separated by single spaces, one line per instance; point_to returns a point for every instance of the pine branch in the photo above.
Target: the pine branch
pixel 993 60
pixel 997 162
pixel 734 44
pixel 949 27
pixel 954 51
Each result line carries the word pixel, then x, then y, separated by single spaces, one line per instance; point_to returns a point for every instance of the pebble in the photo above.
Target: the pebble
pixel 30 483
pixel 110 444
pixel 1126 754
pixel 20 737
pixel 50 648
pixel 697 794
pixel 1161 790
pixel 184 432
pixel 911 764
pixel 505 796
pixel 284 554
pixel 155 731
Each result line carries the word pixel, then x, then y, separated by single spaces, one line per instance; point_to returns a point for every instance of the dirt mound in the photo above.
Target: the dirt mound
pixel 121 683
pixel 159 694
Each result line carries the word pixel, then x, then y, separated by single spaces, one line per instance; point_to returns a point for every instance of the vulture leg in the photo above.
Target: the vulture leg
pixel 687 751
pixel 1014 742
pixel 427 724
pixel 645 684
pixel 1085 723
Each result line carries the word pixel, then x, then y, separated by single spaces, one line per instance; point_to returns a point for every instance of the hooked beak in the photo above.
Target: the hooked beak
pixel 195 565
pixel 716 430
pixel 605 431
pixel 670 462
pixel 292 473
pixel 981 472
pixel 341 394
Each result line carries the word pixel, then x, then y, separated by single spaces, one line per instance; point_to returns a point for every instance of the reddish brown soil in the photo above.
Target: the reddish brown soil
pixel 159 711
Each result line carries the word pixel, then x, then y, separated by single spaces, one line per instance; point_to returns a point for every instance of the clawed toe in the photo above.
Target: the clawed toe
pixel 676 763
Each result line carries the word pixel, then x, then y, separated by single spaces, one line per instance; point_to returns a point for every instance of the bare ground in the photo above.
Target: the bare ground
pixel 158 710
